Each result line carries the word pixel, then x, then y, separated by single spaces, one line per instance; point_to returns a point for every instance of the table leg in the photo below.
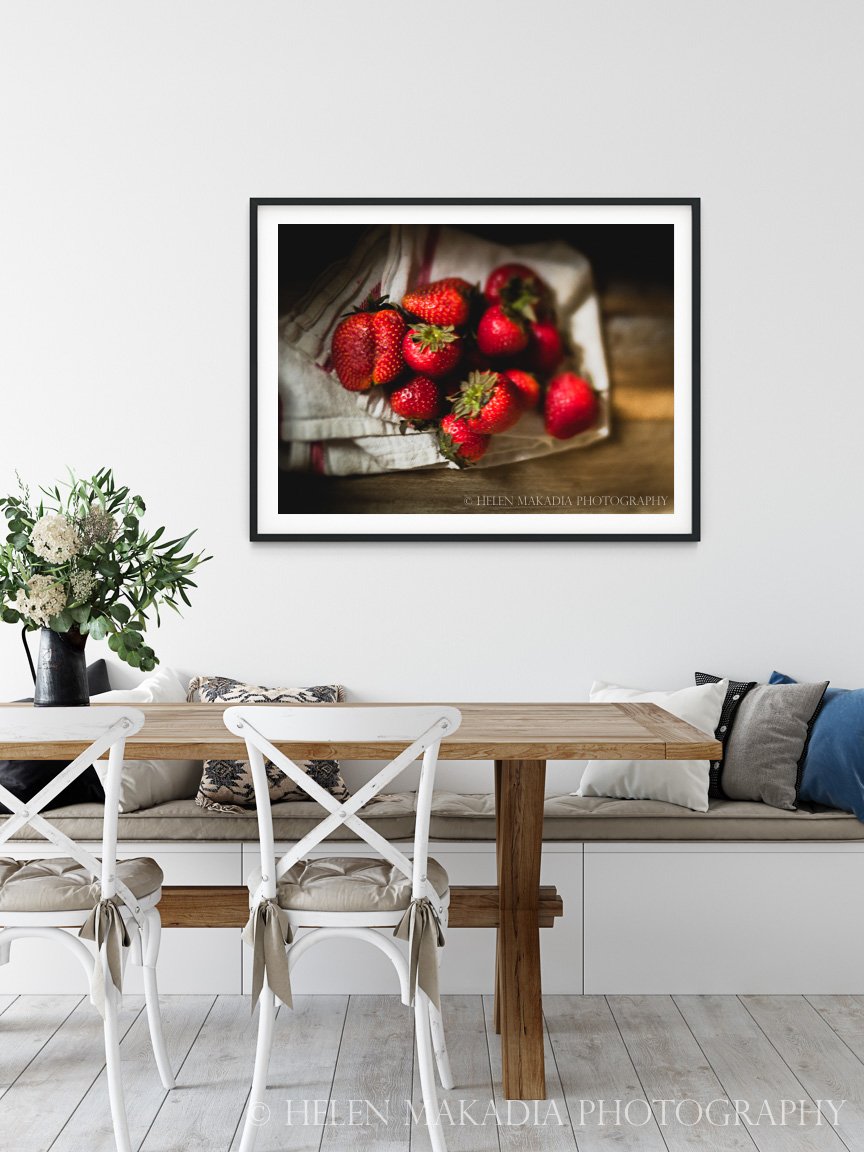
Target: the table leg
pixel 519 844
pixel 498 856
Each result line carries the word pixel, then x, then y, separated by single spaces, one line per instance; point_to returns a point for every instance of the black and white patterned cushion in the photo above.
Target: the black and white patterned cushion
pixel 226 785
pixel 736 692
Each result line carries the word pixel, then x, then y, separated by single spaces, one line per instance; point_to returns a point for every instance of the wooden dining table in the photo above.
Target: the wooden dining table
pixel 519 738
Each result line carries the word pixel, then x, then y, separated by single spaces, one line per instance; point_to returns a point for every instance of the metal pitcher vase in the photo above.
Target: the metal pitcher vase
pixel 61 670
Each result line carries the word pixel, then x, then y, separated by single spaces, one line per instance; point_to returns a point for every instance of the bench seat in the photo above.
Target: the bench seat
pixel 457 816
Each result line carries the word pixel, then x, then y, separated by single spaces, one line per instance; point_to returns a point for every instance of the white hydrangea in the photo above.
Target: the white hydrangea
pixel 43 599
pixel 54 539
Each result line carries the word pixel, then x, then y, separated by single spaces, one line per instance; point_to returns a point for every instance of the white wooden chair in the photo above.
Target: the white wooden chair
pixel 348 897
pixel 112 901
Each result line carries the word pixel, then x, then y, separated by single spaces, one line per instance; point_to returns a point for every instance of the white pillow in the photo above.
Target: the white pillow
pixel 683 782
pixel 146 783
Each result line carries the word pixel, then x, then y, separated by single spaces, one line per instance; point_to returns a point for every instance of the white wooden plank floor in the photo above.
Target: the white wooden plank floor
pixel 643 1073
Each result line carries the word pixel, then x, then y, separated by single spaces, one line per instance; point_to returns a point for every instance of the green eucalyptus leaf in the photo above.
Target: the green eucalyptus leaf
pixel 62 622
pixel 98 628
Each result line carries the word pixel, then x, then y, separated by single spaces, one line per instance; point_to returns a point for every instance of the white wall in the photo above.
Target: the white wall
pixel 131 140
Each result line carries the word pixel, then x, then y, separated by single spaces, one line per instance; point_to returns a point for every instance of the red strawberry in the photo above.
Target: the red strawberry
pixel 571 406
pixel 441 302
pixel 527 385
pixel 518 287
pixel 500 333
pixel 432 349
pixel 419 399
pixel 367 346
pixel 458 443
pixel 546 348
pixel 489 402
pixel 473 360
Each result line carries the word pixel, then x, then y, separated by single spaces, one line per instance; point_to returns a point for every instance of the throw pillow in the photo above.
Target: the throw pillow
pixel 833 771
pixel 683 782
pixel 735 693
pixel 226 785
pixel 24 778
pixel 146 783
pixel 764 755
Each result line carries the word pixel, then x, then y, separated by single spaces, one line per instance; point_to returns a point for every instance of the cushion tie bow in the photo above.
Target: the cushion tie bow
pixel 268 932
pixel 107 929
pixel 422 929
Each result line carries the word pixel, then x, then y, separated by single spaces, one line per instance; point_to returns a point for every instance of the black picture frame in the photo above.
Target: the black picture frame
pixel 689 533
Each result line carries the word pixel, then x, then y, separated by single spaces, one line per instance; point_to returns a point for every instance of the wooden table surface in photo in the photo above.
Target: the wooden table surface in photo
pixel 519 738
pixel 636 460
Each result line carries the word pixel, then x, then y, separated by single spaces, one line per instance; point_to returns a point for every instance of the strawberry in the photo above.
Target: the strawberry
pixel 500 333
pixel 419 399
pixel 458 443
pixel 527 385
pixel 545 347
pixel 571 406
pixel 473 360
pixel 488 402
pixel 519 288
pixel 432 349
pixel 367 346
pixel 441 302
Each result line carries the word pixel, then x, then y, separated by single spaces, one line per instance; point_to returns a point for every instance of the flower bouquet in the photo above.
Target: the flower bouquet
pixel 79 564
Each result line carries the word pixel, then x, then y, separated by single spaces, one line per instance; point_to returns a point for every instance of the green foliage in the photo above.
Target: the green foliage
pixel 117 575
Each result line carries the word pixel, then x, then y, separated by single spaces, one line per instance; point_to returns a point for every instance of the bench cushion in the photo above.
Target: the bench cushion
pixel 472 817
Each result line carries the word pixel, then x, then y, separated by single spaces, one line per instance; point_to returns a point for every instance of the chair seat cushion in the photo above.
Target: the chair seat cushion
pixel 62 885
pixel 349 884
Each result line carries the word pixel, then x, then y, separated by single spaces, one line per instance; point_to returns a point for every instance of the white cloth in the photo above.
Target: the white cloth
pixel 325 427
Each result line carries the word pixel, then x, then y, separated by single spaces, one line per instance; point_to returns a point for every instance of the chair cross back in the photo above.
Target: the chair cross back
pixel 106 729
pixel 260 727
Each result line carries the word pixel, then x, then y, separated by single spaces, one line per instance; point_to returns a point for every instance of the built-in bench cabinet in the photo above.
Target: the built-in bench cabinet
pixel 692 911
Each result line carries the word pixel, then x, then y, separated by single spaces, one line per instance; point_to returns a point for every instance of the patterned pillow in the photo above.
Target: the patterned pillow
pixel 226 785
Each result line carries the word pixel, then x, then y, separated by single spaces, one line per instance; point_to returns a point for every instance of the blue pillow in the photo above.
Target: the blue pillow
pixel 834 764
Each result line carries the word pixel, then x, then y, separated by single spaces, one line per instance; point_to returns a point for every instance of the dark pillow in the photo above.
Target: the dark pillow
pixel 24 778
pixel 735 693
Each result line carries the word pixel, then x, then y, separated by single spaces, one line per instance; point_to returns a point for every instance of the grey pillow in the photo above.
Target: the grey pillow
pixel 765 752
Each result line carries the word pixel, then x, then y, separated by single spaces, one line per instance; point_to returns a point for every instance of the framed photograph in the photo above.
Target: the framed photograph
pixel 475 370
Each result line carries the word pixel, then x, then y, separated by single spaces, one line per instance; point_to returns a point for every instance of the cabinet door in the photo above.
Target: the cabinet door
pixel 729 918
